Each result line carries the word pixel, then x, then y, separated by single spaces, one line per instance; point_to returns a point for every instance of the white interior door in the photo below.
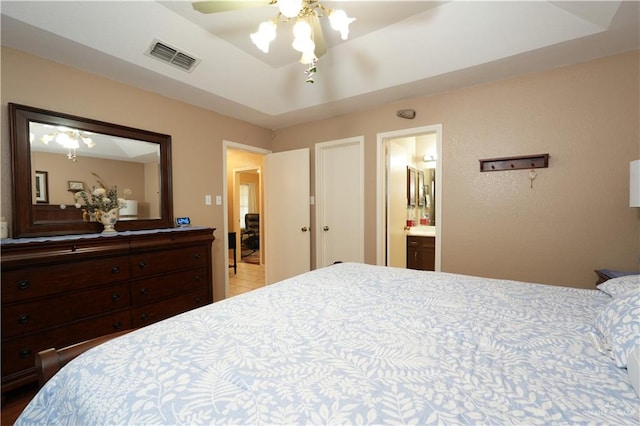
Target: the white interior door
pixel 287 219
pixel 339 202
pixel 397 204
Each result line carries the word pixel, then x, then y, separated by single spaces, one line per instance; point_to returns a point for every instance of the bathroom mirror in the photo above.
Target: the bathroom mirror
pixel 55 155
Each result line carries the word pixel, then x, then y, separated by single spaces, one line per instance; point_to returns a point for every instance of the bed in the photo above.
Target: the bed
pixel 361 344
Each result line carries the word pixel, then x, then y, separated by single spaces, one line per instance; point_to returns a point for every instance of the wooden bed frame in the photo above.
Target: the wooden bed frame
pixel 49 361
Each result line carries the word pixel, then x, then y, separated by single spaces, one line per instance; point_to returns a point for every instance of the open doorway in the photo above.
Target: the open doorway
pixel 419 149
pixel 243 217
pixel 247 213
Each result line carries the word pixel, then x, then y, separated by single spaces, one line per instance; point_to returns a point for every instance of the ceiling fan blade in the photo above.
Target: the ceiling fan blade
pixel 318 37
pixel 215 6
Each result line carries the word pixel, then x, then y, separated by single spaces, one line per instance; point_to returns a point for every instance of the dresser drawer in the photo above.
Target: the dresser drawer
pixel 151 263
pixel 34 315
pixel 152 289
pixel 22 284
pixel 173 239
pixel 65 251
pixel 154 312
pixel 19 353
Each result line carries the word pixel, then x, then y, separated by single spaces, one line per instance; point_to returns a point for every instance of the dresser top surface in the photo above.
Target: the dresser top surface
pixel 75 237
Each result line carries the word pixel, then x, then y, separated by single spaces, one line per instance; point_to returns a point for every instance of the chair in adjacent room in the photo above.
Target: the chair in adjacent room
pixel 251 233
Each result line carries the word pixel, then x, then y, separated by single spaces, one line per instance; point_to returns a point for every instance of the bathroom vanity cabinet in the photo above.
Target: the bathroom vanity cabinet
pixel 421 252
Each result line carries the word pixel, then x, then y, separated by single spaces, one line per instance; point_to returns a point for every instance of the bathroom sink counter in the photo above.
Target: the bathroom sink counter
pixel 422 231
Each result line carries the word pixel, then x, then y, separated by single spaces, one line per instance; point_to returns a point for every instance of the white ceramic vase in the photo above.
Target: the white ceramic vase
pixel 108 220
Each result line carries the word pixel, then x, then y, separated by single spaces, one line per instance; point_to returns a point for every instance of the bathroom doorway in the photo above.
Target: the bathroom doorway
pixel 418 148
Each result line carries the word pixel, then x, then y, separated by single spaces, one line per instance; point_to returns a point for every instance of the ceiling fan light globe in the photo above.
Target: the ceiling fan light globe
pixel 88 142
pixel 290 8
pixel 340 22
pixel 260 43
pixel 264 36
pixel 66 141
pixel 303 44
pixel 302 29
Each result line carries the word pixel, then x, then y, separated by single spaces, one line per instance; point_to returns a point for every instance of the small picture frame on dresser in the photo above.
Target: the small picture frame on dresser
pixel 75 186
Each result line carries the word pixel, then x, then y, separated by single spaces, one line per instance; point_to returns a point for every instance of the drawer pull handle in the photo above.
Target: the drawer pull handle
pixel 74 247
pixel 115 297
pixel 117 325
pixel 142 265
pixel 24 318
pixel 23 285
pixel 143 290
pixel 196 256
pixel 197 277
pixel 115 270
pixel 198 299
pixel 144 317
pixel 25 353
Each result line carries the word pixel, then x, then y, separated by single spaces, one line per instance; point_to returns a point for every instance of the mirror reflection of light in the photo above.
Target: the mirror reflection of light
pixel 70 139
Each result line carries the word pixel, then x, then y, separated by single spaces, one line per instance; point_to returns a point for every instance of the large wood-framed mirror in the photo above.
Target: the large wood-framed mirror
pixel 47 174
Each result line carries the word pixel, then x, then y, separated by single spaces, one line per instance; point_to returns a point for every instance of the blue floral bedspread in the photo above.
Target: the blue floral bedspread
pixel 355 344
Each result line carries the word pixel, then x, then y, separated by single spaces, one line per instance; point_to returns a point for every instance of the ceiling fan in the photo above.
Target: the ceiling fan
pixel 309 39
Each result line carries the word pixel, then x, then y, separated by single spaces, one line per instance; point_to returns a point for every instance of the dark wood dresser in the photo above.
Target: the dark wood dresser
pixel 58 291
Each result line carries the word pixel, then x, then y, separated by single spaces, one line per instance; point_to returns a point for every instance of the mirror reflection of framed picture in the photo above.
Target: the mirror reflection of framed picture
pixel 421 193
pixel 411 186
pixel 42 187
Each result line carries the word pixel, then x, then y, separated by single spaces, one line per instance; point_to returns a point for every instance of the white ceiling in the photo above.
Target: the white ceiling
pixel 396 49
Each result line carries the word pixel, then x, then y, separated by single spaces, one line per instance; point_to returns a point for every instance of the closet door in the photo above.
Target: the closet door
pixel 339 201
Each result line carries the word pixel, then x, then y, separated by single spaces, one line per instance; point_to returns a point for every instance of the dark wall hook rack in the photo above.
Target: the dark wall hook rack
pixel 514 163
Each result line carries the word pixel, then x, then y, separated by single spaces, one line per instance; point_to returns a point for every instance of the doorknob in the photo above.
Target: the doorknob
pixel 326 228
pixel 304 229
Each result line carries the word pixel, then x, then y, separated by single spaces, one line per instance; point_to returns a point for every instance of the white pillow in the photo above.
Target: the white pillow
pixel 619 325
pixel 621 285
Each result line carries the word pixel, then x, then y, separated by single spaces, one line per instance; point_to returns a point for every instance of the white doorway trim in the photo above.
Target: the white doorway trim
pixel 381 191
pixel 225 208
pixel 320 148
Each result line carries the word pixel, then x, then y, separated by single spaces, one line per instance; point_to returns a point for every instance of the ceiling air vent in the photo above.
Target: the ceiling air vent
pixel 166 53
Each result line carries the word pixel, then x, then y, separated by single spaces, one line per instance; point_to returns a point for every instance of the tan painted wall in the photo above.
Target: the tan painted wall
pixel 574 220
pixel 197 134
